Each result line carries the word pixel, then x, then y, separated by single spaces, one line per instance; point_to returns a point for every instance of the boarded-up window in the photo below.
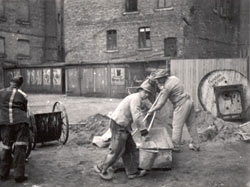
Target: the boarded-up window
pixel 164 3
pixel 23 47
pixel 170 47
pixel 131 5
pixel 111 40
pixel 2 47
pixel 144 37
pixel 23 11
pixel 2 9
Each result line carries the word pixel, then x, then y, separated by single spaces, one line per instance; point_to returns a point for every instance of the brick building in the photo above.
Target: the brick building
pixel 244 29
pixel 130 38
pixel 132 30
pixel 31 32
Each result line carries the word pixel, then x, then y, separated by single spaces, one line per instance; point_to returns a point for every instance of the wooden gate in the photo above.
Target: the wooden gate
pixel 94 81
pixel 87 80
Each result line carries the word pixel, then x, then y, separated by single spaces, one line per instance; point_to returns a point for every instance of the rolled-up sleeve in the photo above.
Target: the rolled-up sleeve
pixel 137 114
pixel 163 97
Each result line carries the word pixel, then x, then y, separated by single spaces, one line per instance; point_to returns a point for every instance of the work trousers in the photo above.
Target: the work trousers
pixel 18 135
pixel 122 146
pixel 181 116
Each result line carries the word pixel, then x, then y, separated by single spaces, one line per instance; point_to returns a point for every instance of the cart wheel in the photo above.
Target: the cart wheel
pixel 59 107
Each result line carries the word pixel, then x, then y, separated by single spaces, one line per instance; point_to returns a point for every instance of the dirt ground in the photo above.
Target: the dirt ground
pixel 218 164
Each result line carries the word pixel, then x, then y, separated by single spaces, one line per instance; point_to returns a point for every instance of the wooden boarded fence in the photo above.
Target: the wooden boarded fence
pixel 191 71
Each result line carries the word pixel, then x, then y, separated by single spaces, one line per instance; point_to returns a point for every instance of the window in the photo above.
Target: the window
pixel 23 47
pixel 111 40
pixel 2 10
pixel 216 6
pixel 224 8
pixel 59 18
pixel 23 12
pixel 164 4
pixel 131 5
pixel 170 46
pixel 144 37
pixel 2 47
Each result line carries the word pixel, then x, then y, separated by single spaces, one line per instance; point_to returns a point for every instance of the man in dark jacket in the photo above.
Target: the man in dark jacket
pixel 14 129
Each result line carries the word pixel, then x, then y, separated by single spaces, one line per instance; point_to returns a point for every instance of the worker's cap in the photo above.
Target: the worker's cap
pixel 159 74
pixel 18 80
pixel 147 86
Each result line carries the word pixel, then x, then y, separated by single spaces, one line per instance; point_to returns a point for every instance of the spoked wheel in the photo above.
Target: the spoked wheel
pixel 59 107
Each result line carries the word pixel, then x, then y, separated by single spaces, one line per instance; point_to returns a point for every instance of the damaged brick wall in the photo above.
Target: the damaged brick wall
pixel 88 21
pixel 38 32
pixel 199 32
pixel 211 33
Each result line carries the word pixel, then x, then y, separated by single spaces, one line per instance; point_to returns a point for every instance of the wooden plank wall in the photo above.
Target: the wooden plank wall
pixel 191 71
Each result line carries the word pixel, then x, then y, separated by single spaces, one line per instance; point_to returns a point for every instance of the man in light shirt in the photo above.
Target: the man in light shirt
pixel 172 88
pixel 129 111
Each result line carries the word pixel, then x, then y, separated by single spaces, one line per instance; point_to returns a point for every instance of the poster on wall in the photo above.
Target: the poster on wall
pixel 46 77
pixel 28 76
pixel 39 77
pixel 118 76
pixel 33 77
pixel 57 77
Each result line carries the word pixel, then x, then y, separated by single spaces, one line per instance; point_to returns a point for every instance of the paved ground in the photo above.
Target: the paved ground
pixel 219 164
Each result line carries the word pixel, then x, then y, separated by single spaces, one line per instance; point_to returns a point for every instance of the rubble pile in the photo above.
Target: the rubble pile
pixel 212 128
pixel 95 125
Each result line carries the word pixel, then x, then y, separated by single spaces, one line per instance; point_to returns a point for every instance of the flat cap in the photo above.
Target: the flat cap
pixel 159 74
pixel 147 86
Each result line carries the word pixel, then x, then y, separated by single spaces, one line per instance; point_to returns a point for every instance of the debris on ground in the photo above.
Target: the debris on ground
pixel 212 128
pixel 84 132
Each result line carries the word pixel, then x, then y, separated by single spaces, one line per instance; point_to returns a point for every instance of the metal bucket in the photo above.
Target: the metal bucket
pixel 147 158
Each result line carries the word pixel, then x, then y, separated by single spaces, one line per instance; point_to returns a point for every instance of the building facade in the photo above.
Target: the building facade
pixel 131 38
pixel 132 30
pixel 244 25
pixel 31 32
